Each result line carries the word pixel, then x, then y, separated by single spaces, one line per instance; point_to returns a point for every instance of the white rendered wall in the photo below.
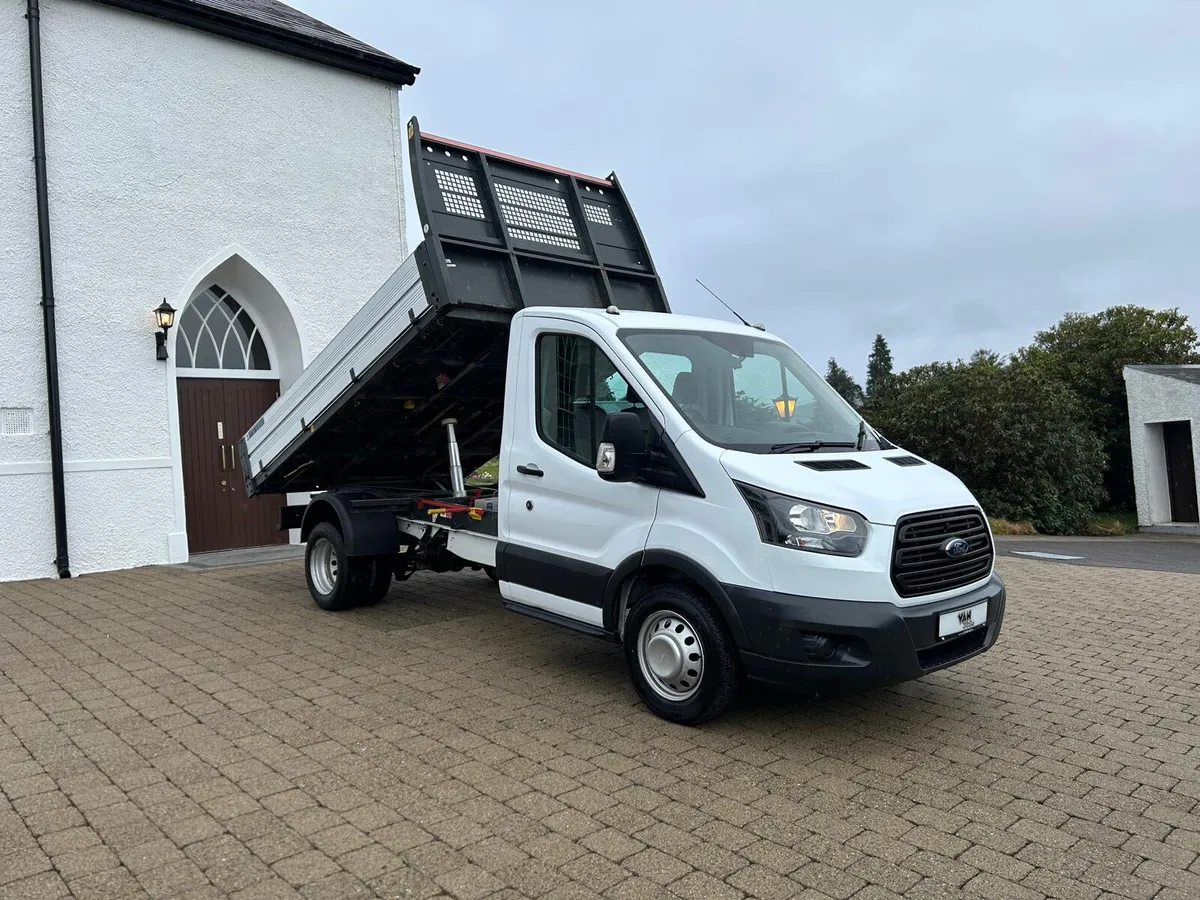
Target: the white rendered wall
pixel 168 151
pixel 1154 399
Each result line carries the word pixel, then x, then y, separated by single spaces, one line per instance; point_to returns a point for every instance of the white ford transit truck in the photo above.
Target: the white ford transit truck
pixel 688 488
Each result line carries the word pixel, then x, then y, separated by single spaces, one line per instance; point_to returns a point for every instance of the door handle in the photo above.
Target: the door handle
pixel 232 457
pixel 531 469
pixel 222 457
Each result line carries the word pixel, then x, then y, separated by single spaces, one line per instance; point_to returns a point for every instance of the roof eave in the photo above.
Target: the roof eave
pixel 223 24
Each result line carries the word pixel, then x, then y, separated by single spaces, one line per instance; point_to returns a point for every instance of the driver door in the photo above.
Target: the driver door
pixel 567 529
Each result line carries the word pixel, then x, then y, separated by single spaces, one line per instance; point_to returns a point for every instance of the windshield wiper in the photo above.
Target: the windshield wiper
pixel 808 446
pixel 862 434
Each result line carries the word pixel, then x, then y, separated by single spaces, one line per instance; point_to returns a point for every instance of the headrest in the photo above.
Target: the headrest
pixel 686 392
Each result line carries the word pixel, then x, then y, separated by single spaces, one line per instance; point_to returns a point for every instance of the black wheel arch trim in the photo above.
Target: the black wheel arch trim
pixel 372 533
pixel 687 567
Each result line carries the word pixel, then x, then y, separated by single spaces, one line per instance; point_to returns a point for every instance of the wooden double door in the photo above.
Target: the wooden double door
pixel 214 413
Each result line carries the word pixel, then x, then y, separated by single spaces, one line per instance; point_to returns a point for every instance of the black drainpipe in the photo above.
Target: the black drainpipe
pixel 61 560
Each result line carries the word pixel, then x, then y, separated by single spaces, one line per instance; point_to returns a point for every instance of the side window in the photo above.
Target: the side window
pixel 577 387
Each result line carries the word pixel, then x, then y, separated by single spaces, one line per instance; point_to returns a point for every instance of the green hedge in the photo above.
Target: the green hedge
pixel 1021 441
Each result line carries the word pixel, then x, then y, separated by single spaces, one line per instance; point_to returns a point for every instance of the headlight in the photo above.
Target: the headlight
pixel 802 525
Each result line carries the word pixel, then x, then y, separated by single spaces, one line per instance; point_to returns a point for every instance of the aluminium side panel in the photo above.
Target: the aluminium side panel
pixel 375 327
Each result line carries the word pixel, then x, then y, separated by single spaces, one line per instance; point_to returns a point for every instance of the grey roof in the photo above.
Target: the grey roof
pixel 277 26
pixel 1180 373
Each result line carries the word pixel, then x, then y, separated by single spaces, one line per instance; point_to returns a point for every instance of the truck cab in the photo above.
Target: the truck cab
pixel 697 491
pixel 688 488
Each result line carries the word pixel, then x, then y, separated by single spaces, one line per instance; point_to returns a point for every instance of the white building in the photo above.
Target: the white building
pixel 1164 421
pixel 236 158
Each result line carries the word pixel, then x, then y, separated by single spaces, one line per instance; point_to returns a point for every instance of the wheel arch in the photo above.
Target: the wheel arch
pixel 363 533
pixel 655 566
pixel 321 509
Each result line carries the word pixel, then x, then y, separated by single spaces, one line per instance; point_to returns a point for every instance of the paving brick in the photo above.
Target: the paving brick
pixel 657 866
pixel 714 860
pixel 405 883
pixel 992 886
pixel 940 868
pixel 988 860
pixel 834 882
pixel 107 884
pixel 595 871
pixel 759 881
pixel 612 844
pixel 174 879
pixel 888 875
pixel 469 882
pixel 45 886
pixel 305 868
pixel 701 886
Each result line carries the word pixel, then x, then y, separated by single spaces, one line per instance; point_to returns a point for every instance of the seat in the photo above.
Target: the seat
pixel 686 394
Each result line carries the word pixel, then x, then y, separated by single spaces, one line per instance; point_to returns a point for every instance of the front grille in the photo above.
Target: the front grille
pixel 920 566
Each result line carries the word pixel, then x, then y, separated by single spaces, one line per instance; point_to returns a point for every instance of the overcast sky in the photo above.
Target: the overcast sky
pixel 951 174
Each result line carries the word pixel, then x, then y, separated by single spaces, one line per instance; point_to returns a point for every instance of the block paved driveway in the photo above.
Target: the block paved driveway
pixel 167 733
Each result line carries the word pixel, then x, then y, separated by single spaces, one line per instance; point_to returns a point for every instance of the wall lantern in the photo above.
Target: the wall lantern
pixel 785 406
pixel 165 315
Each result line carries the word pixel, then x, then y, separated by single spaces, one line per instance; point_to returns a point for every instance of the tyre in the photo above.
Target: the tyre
pixel 378 580
pixel 682 660
pixel 335 580
pixel 490 571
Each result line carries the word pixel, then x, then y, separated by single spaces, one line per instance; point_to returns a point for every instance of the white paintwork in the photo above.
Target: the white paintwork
pixel 570 609
pixel 1153 400
pixel 174 157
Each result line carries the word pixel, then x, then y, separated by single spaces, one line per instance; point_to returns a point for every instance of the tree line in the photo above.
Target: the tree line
pixel 1039 436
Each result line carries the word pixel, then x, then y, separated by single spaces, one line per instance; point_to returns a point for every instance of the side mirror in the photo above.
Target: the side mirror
pixel 622 447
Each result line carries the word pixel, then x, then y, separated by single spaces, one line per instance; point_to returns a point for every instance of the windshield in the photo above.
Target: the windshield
pixel 747 393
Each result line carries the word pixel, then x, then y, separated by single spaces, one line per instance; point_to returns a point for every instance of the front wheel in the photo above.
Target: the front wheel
pixel 683 662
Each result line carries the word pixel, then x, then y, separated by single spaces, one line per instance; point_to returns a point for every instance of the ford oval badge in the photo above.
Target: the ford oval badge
pixel 955 547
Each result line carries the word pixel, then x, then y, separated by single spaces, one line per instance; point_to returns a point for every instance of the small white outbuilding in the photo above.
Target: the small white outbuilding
pixel 1164 418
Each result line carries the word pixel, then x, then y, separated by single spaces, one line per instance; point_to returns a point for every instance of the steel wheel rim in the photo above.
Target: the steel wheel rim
pixel 323 566
pixel 670 655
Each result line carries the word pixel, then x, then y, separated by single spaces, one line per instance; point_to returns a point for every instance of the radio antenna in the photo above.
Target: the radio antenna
pixel 723 303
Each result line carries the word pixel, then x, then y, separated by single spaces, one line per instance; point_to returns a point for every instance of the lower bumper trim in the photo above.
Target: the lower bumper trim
pixel 872 642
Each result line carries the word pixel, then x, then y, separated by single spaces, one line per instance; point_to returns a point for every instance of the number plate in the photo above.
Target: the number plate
pixel 952 623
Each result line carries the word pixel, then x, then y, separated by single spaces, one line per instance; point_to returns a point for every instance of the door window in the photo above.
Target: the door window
pixel 577 387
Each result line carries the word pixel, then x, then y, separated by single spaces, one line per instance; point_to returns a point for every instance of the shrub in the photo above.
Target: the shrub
pixel 1020 440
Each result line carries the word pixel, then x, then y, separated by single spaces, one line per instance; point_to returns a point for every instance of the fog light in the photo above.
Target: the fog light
pixel 819 647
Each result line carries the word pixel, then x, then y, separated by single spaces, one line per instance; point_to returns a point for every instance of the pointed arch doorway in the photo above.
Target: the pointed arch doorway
pixel 226 377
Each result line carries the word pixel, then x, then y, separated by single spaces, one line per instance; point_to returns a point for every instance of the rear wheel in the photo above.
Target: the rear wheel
pixel 490 571
pixel 683 662
pixel 379 579
pixel 336 581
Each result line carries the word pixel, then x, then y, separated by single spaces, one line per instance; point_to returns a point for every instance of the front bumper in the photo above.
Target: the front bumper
pixel 790 636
